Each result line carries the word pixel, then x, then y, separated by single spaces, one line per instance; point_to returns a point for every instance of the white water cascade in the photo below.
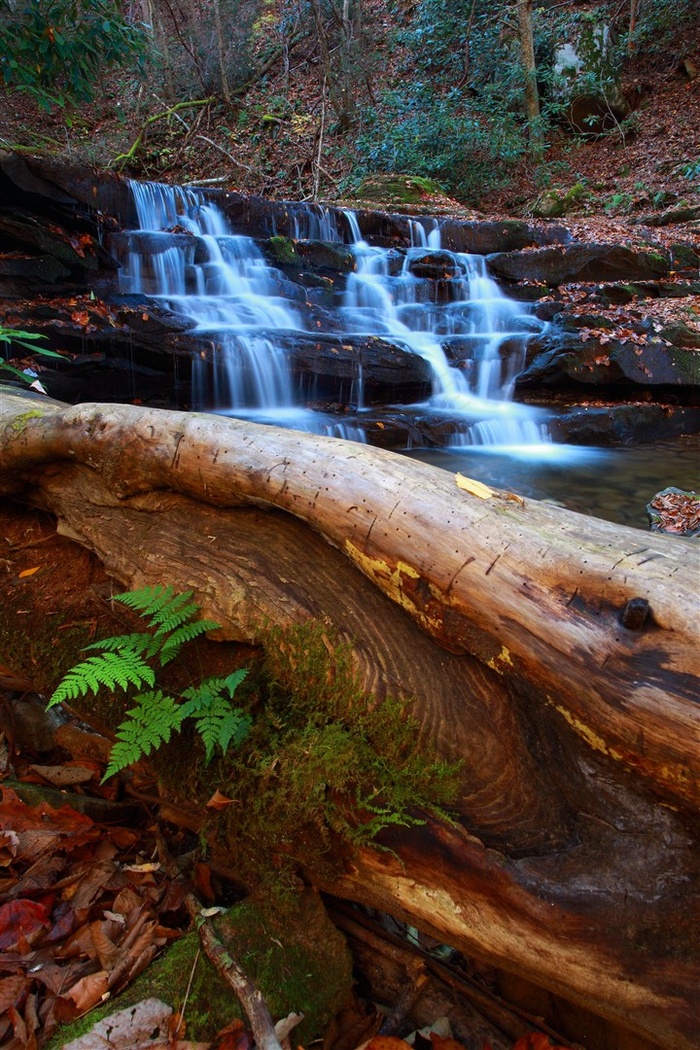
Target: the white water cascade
pixel 439 305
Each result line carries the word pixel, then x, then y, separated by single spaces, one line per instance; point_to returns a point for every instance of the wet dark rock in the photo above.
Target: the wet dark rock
pixel 580 262
pixel 322 256
pixel 435 266
pixel 18 271
pixel 346 369
pixel 623 424
pixel 622 365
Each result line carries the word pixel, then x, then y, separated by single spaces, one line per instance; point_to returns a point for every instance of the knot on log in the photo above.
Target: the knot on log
pixel 634 614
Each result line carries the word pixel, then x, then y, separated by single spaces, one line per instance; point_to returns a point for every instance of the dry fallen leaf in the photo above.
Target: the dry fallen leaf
pixel 219 800
pixel 476 488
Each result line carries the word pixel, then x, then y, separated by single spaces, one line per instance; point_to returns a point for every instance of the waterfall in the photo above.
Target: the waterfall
pixel 250 319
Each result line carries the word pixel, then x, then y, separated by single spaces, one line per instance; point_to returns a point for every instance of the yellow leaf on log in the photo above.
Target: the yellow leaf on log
pixel 476 488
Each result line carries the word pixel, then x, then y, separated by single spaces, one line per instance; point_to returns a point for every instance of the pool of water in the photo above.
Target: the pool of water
pixel 610 483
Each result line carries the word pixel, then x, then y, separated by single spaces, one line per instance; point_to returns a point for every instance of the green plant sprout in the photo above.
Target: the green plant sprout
pixel 28 341
pixel 127 661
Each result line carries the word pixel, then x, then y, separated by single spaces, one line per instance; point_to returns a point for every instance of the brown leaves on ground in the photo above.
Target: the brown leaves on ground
pixel 529 1041
pixel 678 512
pixel 77 922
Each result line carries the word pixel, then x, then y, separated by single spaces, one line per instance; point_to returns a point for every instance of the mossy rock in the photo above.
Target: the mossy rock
pixel 554 203
pixel 397 189
pixel 684 257
pixel 299 962
pixel 280 250
pixel 297 958
pixel 679 334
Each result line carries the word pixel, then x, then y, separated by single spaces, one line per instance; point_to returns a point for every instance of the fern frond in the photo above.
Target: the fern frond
pixel 112 670
pixel 221 724
pixel 200 696
pixel 141 642
pixel 233 680
pixel 147 725
pixel 172 645
pixel 167 610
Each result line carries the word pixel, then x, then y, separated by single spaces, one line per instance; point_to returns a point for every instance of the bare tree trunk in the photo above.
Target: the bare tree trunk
pixel 573 861
pixel 631 43
pixel 527 50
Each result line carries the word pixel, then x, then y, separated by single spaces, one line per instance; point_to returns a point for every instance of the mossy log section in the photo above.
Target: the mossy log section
pixel 574 863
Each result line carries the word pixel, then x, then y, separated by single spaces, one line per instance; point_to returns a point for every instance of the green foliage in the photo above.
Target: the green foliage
pixel 661 23
pixel 692 171
pixel 56 50
pixel 467 149
pixel 125 663
pixel 27 340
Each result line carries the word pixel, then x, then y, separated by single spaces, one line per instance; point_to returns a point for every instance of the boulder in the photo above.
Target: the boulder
pixel 622 365
pixel 586 80
pixel 629 423
pixel 581 262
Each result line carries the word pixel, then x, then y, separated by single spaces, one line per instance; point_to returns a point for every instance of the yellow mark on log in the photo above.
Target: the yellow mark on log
pixel 380 570
pixel 503 658
pixel 390 580
pixel 589 735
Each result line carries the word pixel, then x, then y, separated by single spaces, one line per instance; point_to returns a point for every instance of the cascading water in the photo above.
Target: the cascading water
pixel 441 306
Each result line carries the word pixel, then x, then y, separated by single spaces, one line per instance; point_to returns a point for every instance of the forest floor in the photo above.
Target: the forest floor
pixel 649 163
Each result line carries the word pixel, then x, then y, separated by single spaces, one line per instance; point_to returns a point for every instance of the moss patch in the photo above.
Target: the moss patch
pixel 325 766
pixel 300 963
pixel 397 189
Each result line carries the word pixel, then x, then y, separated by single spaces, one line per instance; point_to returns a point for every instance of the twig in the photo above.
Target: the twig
pixel 124 158
pixel 187 992
pixel 225 152
pixel 250 997
pixel 317 176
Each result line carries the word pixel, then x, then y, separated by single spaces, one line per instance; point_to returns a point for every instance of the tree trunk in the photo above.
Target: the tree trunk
pixel 527 51
pixel 509 624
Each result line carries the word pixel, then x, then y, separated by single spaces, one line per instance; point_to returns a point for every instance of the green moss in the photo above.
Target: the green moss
pixel 299 962
pixel 211 1004
pixel 325 766
pixel 281 249
pixel 397 189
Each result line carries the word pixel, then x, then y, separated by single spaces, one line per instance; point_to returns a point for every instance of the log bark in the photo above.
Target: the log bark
pixel 574 861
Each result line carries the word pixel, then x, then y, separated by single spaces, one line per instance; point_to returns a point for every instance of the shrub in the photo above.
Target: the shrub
pixel 463 148
pixel 56 50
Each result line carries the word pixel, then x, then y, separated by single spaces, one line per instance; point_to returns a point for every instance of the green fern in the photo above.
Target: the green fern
pixel 112 670
pixel 216 721
pixel 186 633
pixel 147 725
pixel 123 663
pixel 167 609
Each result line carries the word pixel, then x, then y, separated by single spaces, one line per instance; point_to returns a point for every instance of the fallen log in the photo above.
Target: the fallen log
pixel 554 653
